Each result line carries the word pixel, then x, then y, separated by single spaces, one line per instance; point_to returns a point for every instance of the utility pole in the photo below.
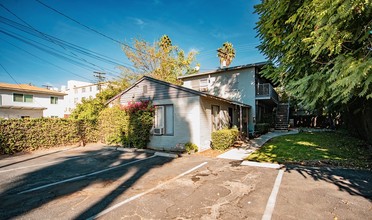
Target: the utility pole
pixel 100 78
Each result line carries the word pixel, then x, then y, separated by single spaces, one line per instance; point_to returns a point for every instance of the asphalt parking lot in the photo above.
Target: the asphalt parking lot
pixel 96 182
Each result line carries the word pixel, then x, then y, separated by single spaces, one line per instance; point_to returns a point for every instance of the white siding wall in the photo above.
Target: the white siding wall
pixel 206 119
pixel 238 85
pixel 186 124
pixel 18 113
pixel 39 101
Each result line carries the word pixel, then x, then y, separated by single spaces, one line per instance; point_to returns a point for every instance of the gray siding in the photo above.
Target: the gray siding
pixel 150 90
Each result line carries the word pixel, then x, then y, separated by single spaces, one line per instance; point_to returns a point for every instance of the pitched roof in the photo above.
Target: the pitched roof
pixel 220 70
pixel 29 89
pixel 180 88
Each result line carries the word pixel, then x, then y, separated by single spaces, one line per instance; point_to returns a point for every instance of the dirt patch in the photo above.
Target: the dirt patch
pixel 211 152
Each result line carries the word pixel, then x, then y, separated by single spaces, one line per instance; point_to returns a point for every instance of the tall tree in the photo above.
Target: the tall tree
pixel 226 53
pixel 161 60
pixel 320 50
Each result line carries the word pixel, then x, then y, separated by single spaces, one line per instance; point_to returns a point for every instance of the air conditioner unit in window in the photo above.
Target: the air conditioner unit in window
pixel 203 89
pixel 158 131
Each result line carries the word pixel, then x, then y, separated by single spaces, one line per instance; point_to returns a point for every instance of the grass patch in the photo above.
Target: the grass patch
pixel 319 148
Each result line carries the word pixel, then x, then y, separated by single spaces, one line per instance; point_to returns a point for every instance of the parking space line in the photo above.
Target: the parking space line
pixel 272 199
pixel 145 192
pixel 85 175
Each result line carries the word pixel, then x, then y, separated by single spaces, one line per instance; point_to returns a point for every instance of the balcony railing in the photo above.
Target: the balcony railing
pixel 266 91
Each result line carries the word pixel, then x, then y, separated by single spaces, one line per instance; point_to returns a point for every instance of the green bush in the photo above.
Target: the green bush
pixel 129 125
pixel 190 147
pixel 18 135
pixel 113 123
pixel 262 128
pixel 224 138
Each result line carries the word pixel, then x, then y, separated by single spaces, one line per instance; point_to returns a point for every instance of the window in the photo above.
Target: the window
pixel 91 88
pixel 82 90
pixel 144 89
pixel 76 91
pixel 22 98
pixel 53 116
pixel 53 100
pixel 164 119
pixel 215 117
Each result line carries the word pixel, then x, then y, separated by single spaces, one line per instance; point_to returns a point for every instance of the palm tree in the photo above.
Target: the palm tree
pixel 226 53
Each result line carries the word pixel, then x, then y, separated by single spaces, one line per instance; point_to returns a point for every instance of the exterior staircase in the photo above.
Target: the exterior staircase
pixel 282 116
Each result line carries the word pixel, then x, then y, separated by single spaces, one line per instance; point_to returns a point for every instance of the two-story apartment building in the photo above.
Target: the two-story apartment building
pixel 79 90
pixel 26 101
pixel 243 84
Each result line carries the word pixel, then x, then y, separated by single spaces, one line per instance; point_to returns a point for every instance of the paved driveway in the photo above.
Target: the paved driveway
pixel 95 182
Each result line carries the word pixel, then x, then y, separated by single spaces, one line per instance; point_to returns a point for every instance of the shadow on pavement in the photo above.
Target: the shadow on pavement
pixel 355 182
pixel 15 203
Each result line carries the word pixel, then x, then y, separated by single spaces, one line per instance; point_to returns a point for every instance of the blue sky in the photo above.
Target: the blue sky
pixel 192 25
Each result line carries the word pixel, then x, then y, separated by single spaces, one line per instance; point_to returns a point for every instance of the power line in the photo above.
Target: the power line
pixel 20 86
pixel 46 60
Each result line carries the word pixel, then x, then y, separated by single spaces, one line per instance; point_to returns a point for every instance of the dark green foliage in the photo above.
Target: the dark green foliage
pixel 129 125
pixel 262 128
pixel 19 135
pixel 224 138
pixel 113 123
pixel 320 53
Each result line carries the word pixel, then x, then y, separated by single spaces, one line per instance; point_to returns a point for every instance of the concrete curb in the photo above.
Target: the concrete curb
pixel 257 164
pixel 162 154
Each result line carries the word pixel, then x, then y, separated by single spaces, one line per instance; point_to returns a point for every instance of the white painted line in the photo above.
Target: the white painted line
pixel 272 199
pixel 85 175
pixel 257 164
pixel 162 154
pixel 144 193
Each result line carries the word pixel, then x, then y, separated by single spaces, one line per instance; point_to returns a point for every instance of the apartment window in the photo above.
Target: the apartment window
pixel 90 88
pixel 22 98
pixel 82 90
pixel 164 120
pixel 53 116
pixel 53 100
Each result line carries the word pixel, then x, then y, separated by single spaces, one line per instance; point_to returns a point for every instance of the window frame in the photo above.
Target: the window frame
pixel 164 119
pixel 25 97
pixel 54 100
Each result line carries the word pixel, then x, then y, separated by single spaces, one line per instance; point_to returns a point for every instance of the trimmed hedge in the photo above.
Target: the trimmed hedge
pixel 19 135
pixel 224 138
pixel 128 125
pixel 262 128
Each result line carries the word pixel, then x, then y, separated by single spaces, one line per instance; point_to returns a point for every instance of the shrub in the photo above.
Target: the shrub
pixel 18 135
pixel 262 128
pixel 190 147
pixel 113 123
pixel 128 125
pixel 224 138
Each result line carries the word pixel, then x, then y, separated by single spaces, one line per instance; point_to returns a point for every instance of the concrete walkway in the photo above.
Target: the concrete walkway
pixel 253 144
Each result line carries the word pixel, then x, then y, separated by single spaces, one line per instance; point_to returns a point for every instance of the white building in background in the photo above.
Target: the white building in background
pixel 26 101
pixel 77 91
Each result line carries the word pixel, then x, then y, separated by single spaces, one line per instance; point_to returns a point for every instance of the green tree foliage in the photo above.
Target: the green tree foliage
pixel 89 109
pixel 226 53
pixel 320 49
pixel 161 60
pixel 128 125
